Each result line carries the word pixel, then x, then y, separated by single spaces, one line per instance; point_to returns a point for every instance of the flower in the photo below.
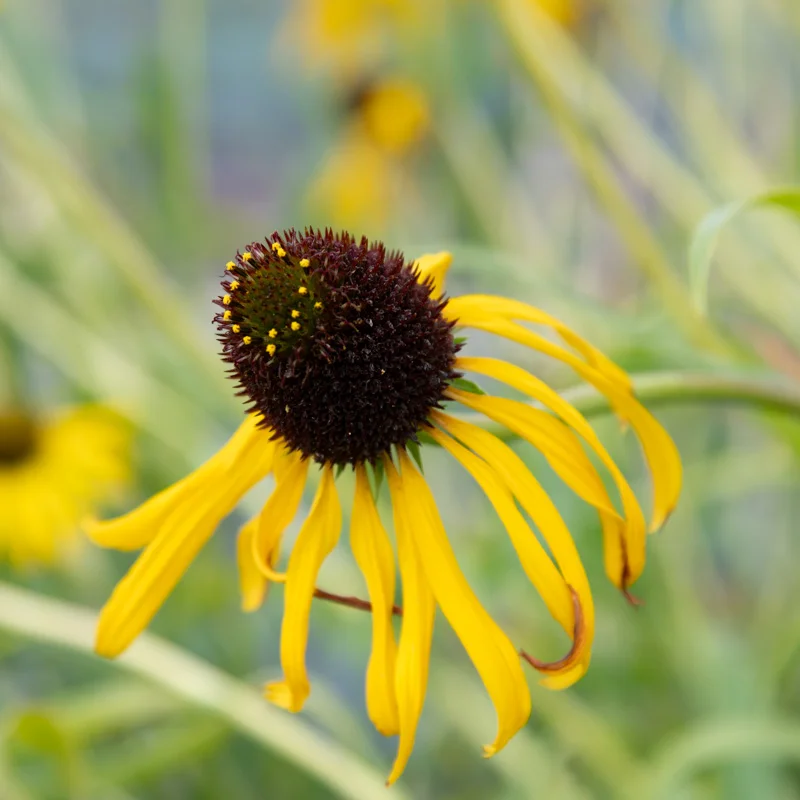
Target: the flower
pixel 346 355
pixel 52 474
pixel 365 170
pixel 567 12
pixel 345 37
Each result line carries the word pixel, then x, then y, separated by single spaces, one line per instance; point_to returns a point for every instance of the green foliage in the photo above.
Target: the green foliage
pixel 707 234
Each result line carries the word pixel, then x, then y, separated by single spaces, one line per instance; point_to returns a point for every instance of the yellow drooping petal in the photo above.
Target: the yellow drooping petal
pixel 373 554
pixel 140 526
pixel 252 583
pixel 464 307
pixel 316 539
pixel 660 452
pixel 414 648
pixel 500 463
pixel 279 510
pixel 433 267
pixel 490 650
pixel 558 444
pixel 627 538
pixel 540 570
pixel 615 541
pixel 184 529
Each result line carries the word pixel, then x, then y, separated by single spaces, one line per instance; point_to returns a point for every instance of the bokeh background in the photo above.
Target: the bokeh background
pixel 564 151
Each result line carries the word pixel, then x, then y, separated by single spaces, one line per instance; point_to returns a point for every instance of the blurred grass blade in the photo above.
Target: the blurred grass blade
pixel 732 741
pixel 604 110
pixel 707 233
pixel 530 765
pixel 197 682
pixel 646 251
pixel 94 366
pixel 39 153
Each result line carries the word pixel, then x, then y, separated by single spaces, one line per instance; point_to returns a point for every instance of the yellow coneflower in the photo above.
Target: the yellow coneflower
pixel 52 474
pixel 363 173
pixel 362 378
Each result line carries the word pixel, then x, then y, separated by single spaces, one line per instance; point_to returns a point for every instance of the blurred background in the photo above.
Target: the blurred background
pixel 564 151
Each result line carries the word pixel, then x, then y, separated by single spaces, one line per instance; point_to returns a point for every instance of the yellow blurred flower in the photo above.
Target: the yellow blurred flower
pixel 346 354
pixel 355 184
pixel 363 174
pixel 53 473
pixel 343 36
pixel 567 12
pixel 394 114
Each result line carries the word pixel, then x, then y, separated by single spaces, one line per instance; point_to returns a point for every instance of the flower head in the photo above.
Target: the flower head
pixel 346 356
pixel 52 474
pixel 346 351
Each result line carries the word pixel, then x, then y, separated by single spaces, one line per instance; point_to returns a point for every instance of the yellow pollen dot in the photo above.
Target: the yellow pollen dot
pixel 318 305
pixel 247 255
pixel 226 300
pixel 295 326
pixel 272 333
pixel 295 313
pixel 302 290
pixel 247 339
pixel 227 315
pixel 234 285
pixel 276 245
pixel 271 349
pixel 281 252
pixel 304 262
pixel 236 328
pixel 230 265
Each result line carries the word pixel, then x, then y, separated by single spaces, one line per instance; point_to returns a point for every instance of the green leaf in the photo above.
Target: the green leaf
pixel 460 339
pixel 707 233
pixel 413 448
pixel 376 474
pixel 467 386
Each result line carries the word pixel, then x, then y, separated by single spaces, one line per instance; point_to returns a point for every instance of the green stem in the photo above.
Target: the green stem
pixel 658 388
pixel 33 616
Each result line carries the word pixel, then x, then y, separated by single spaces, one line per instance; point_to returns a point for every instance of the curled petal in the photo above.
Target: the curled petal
pixel 659 449
pixel 316 539
pixel 252 583
pixel 575 653
pixel 501 474
pixel 615 541
pixel 279 510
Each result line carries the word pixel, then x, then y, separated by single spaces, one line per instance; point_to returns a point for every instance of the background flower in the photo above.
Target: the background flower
pixel 53 473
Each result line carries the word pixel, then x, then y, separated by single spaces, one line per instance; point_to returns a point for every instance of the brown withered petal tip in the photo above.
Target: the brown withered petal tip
pixel 578 637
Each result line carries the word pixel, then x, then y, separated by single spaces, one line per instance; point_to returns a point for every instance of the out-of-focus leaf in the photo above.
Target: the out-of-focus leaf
pixel 42 754
pixel 732 741
pixel 707 233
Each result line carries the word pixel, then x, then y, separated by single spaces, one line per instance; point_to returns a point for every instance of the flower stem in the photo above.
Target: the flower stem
pixel 25 613
pixel 740 387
